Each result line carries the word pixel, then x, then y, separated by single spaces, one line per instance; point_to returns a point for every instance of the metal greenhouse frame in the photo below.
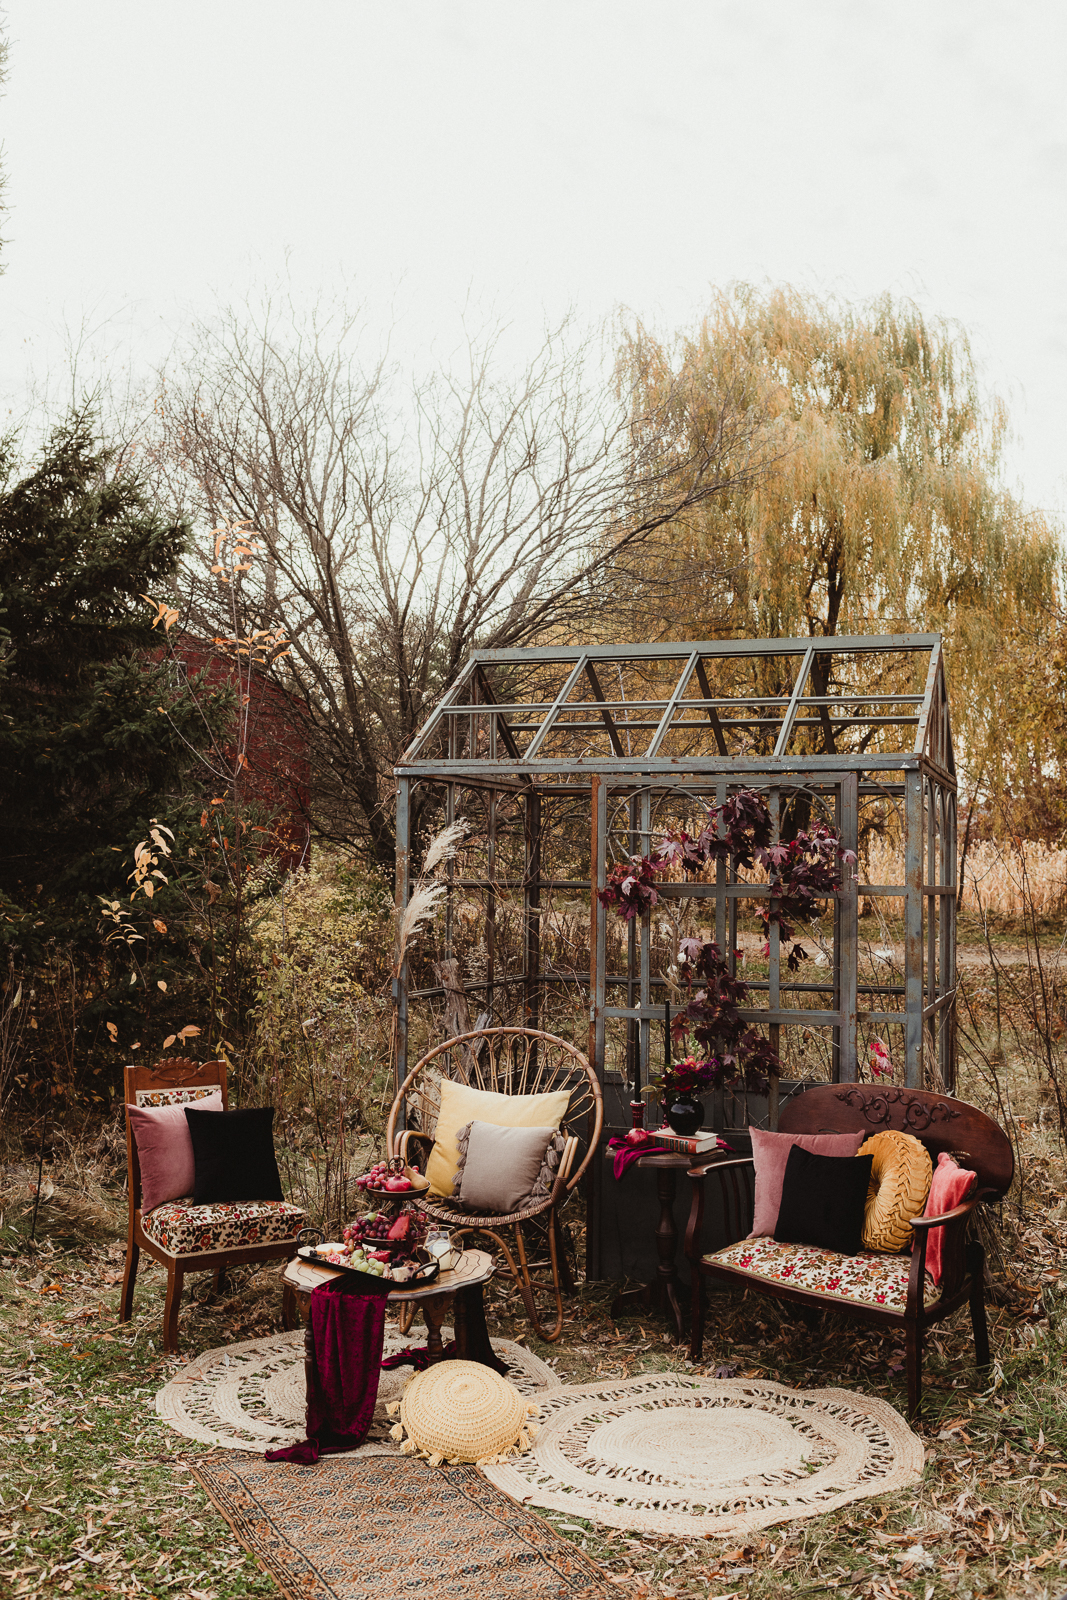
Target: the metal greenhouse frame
pixel 854 729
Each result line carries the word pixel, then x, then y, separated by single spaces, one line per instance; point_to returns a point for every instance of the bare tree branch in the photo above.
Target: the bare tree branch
pixel 402 529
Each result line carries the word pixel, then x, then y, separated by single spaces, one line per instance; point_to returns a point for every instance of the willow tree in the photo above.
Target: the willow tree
pixel 882 506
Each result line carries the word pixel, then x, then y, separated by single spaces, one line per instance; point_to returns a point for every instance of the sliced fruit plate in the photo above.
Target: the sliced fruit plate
pixel 419 1270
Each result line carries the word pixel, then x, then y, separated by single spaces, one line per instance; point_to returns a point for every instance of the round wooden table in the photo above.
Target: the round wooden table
pixel 458 1289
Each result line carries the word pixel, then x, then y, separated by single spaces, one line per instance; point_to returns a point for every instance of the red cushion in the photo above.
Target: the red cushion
pixel 165 1149
pixel 770 1152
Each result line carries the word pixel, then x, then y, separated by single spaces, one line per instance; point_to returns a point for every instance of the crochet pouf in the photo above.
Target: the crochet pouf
pixel 900 1182
pixel 462 1411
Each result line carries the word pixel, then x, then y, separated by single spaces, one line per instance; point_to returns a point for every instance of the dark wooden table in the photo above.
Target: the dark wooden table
pixel 458 1290
pixel 665 1294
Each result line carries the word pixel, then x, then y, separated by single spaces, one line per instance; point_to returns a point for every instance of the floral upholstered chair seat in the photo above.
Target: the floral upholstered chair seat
pixel 183 1229
pixel 870 1278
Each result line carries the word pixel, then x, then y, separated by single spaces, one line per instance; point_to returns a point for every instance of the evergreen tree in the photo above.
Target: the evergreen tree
pixel 96 727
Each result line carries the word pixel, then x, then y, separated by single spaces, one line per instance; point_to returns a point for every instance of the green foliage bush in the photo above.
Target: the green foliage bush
pixel 320 1047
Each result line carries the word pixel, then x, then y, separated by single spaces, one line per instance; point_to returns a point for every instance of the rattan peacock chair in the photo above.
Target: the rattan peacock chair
pixel 513 1061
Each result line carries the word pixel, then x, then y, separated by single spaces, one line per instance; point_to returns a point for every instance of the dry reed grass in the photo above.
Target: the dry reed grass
pixel 1002 879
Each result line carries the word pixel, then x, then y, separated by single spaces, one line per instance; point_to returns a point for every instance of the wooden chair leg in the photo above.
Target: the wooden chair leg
pixel 219 1281
pixel 290 1313
pixel 129 1279
pixel 913 1356
pixel 569 1285
pixel 979 1326
pixel 525 1288
pixel 696 1335
pixel 175 1282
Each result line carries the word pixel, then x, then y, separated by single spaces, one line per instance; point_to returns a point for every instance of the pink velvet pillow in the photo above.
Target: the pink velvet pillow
pixel 770 1152
pixel 165 1150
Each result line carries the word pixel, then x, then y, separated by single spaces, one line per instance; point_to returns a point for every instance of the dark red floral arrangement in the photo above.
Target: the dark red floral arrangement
pixel 801 872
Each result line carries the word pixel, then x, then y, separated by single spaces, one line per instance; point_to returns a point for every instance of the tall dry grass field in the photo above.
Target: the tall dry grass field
pixel 1001 880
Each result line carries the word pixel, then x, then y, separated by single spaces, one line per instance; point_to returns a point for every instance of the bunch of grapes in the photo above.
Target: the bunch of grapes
pixel 373 1232
pixel 367 1229
pixel 375 1178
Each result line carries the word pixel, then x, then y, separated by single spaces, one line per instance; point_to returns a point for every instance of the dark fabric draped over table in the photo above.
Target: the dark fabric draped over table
pixel 347 1331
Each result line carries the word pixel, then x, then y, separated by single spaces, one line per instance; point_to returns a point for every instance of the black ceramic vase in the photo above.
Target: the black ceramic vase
pixel 684 1114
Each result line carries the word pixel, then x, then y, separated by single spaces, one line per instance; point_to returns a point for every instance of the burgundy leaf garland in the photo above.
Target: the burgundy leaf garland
pixel 800 872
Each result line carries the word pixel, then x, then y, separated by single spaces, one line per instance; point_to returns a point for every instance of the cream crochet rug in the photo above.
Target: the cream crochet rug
pixel 667 1453
pixel 251 1396
pixel 671 1453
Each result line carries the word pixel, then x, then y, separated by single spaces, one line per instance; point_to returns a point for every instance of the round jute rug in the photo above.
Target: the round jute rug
pixel 251 1396
pixel 670 1453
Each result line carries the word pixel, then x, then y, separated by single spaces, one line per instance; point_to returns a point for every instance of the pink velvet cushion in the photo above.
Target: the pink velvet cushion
pixel 770 1152
pixel 165 1149
pixel 949 1185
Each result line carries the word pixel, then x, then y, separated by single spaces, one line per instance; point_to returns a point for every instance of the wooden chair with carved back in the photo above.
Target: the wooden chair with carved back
pixel 185 1237
pixel 903 1296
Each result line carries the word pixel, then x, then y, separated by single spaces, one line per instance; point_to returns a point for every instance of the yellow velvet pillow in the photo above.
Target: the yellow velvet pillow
pixel 461 1104
pixel 900 1182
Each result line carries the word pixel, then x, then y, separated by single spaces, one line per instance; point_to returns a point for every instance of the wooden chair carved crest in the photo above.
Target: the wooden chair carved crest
pixel 182 1236
pixel 510 1061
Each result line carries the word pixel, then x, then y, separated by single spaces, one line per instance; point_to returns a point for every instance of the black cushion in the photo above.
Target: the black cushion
pixel 823 1200
pixel 233 1155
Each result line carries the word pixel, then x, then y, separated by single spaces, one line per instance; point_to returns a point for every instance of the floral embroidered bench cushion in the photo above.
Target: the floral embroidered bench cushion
pixel 869 1278
pixel 185 1230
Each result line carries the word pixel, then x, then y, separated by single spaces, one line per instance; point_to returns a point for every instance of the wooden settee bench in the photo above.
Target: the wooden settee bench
pixel 884 1289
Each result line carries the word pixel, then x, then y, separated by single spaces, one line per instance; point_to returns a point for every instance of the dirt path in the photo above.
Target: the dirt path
pixel 892 954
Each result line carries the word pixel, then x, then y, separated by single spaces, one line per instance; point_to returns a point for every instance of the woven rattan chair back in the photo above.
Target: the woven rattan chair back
pixel 515 1061
pixel 512 1061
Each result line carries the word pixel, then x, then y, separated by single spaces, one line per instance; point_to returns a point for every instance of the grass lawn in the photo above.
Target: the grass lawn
pixel 96 1499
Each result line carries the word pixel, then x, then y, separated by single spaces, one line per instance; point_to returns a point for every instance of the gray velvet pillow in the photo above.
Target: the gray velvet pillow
pixel 499 1168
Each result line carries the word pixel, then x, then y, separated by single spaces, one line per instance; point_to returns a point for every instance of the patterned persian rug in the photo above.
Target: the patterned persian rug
pixel 672 1454
pixel 378 1528
pixel 251 1396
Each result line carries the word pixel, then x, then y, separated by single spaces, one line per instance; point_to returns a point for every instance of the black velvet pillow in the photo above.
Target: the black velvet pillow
pixel 823 1200
pixel 233 1155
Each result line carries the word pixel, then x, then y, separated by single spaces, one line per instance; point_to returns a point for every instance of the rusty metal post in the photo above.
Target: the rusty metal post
pixel 633 1069
pixel 774 972
pixel 490 910
pixel 725 938
pixel 598 935
pixel 913 928
pixel 403 892
pixel 947 1034
pixel 531 894
pixel 643 1063
pixel 848 934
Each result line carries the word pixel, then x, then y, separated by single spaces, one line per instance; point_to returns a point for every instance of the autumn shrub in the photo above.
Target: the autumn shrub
pixel 319 1046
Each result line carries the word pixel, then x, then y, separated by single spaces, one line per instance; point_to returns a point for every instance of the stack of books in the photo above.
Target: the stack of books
pixel 682 1144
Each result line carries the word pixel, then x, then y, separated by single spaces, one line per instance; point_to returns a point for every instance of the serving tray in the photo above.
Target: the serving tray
pixel 425 1273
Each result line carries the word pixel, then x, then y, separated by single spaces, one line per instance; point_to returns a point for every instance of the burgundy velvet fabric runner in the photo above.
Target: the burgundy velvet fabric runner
pixel 418 1356
pixel 637 1143
pixel 347 1333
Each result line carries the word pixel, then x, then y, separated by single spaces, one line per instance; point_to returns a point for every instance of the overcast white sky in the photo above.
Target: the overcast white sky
pixel 540 155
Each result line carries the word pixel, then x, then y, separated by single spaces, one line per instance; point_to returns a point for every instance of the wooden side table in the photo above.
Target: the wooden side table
pixel 459 1288
pixel 665 1293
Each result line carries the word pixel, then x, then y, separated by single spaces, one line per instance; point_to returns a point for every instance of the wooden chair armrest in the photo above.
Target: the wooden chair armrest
pixel 730 1192
pixel 561 1188
pixel 964 1209
pixel 718 1166
pixel 410 1136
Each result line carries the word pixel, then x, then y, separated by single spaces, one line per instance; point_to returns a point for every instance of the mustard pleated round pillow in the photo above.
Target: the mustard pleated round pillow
pixel 900 1182
pixel 462 1411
